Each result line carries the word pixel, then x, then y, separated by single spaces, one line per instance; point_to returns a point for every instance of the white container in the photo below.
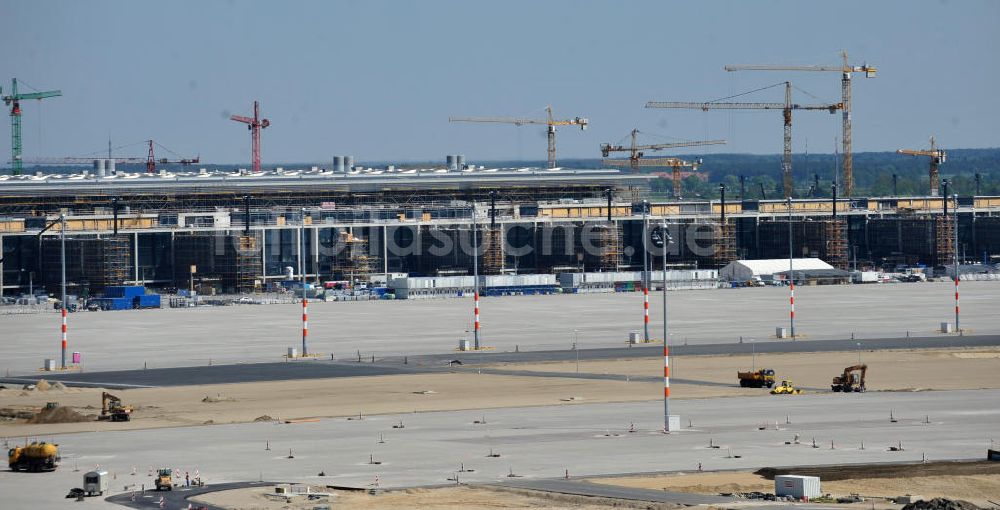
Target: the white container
pixel 796 486
pixel 293 352
pixel 947 327
pixel 50 364
pixel 464 345
pixel 781 332
pixel 633 337
pixel 95 483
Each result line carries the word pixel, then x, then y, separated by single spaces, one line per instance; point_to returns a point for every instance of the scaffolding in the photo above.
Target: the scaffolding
pixel 92 263
pixel 353 262
pixel 493 254
pixel 725 244
pixel 944 240
pixel 608 243
pixel 227 263
pixel 834 233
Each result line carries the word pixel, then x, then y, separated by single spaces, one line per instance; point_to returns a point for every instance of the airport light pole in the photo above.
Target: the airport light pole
pixel 302 275
pixel 791 275
pixel 958 326
pixel 753 356
pixel 576 347
pixel 859 353
pixel 62 258
pixel 666 349
pixel 645 276
pixel 475 276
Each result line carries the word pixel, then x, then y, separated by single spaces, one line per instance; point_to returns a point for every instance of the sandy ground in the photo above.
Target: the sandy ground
pixel 303 399
pixel 469 498
pixel 974 488
pixel 894 370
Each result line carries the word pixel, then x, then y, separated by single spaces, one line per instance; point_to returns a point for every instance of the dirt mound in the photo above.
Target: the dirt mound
pixel 941 504
pixel 42 385
pixel 263 417
pixel 57 386
pixel 58 415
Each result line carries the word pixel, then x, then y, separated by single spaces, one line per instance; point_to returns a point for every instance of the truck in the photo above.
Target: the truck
pixel 756 379
pixel 851 380
pixel 164 480
pixel 95 483
pixel 37 456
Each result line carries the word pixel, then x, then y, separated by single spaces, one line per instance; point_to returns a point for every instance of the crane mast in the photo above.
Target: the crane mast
pixel 14 101
pixel 845 71
pixel 936 155
pixel 549 122
pixel 786 108
pixel 254 124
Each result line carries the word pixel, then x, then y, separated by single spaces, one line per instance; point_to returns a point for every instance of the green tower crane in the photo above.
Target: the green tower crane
pixel 13 100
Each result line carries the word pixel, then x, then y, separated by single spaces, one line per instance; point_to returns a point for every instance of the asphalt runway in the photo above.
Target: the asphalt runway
pixel 320 368
pixel 535 443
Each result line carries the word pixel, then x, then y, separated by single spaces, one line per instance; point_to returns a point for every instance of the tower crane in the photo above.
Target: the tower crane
pixel 635 151
pixel 786 109
pixel 254 124
pixel 675 164
pixel 14 101
pixel 845 89
pixel 937 156
pixel 548 121
pixel 149 160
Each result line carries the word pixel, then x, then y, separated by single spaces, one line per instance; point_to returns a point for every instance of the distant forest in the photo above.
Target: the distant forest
pixel 873 172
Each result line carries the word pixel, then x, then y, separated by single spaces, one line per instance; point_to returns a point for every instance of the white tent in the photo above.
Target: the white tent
pixel 743 270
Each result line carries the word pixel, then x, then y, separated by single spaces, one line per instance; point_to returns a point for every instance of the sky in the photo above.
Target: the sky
pixel 378 79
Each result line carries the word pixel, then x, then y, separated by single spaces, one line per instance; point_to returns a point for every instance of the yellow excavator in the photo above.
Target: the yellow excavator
pixel 853 379
pixel 112 408
pixel 786 388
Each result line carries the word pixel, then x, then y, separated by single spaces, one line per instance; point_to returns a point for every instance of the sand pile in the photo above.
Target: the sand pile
pixel 42 385
pixel 57 386
pixel 58 415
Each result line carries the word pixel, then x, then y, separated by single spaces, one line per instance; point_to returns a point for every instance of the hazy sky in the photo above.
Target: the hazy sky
pixel 378 80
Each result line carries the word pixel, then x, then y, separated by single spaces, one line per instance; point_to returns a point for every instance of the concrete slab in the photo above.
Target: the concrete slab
pixel 248 333
pixel 533 443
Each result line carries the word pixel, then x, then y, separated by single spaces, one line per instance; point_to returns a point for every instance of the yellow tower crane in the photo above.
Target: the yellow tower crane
pixel 548 121
pixel 635 151
pixel 845 89
pixel 675 164
pixel 937 156
pixel 785 107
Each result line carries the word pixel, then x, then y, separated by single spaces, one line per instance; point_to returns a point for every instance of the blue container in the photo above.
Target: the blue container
pixel 124 291
pixel 147 301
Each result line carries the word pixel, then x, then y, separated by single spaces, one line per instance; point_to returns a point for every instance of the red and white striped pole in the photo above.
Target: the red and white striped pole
pixel 645 310
pixel 64 343
pixel 305 322
pixel 476 315
pixel 666 387
pixel 791 302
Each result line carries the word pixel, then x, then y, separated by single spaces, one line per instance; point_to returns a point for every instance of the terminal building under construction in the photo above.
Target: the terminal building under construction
pixel 239 232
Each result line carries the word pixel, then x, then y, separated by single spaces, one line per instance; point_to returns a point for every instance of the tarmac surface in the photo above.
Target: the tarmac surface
pixel 320 368
pixel 537 443
pixel 262 333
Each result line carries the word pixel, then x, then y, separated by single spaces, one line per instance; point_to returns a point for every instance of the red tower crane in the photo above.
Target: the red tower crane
pixel 254 124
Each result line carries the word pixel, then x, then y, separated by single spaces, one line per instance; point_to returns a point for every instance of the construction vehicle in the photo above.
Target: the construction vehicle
pixel 756 379
pixel 853 379
pixel 786 388
pixel 34 457
pixel 164 479
pixel 95 483
pixel 112 408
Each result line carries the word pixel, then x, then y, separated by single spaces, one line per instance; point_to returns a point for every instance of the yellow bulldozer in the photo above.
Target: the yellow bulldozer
pixel 786 388
pixel 164 479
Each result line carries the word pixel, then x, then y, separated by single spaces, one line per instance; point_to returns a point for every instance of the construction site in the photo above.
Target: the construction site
pixel 656 325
